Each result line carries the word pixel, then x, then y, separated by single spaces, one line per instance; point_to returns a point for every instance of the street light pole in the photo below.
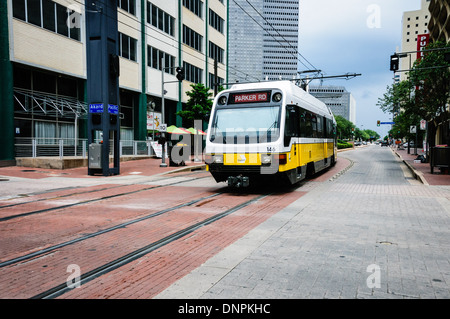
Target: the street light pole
pixel 180 77
pixel 163 116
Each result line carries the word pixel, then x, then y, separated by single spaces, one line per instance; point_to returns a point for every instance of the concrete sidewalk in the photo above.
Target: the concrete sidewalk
pixel 422 171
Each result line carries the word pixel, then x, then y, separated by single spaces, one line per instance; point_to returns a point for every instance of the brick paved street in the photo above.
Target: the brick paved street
pixel 374 232
pixel 366 228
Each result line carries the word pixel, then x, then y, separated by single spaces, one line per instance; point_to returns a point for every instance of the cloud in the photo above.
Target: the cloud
pixel 355 36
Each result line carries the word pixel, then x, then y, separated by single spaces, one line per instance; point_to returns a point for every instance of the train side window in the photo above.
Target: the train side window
pixel 308 128
pixel 292 123
pixel 319 133
pixel 314 125
pixel 329 129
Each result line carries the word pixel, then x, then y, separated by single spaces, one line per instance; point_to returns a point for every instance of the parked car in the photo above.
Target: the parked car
pixel 384 143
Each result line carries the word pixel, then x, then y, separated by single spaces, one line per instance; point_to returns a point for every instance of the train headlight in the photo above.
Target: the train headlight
pixel 277 97
pixel 218 159
pixel 214 159
pixel 223 100
pixel 266 159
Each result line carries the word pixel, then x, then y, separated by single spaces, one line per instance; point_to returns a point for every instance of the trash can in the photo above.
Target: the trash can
pixel 440 157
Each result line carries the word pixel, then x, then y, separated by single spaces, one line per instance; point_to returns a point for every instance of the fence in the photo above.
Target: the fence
pixel 54 147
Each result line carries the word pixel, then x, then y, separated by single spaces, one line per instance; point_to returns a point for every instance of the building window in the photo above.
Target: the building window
pixel 216 21
pixel 154 60
pixel 46 14
pixel 196 6
pixel 192 38
pixel 212 80
pixel 127 47
pixel 127 5
pixel 192 73
pixel 216 52
pixel 160 19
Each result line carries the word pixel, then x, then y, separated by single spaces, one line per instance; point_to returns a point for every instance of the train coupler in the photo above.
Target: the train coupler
pixel 238 181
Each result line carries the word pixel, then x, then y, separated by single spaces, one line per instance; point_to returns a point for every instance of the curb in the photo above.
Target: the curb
pixel 343 171
pixel 418 175
pixel 186 169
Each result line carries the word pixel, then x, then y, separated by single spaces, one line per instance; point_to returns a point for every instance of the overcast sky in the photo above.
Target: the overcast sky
pixel 356 36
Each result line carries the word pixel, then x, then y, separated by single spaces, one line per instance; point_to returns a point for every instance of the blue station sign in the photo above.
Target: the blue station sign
pixel 96 108
pixel 113 109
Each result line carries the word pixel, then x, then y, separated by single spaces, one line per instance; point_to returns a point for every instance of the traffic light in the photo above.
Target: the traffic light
pixel 394 62
pixel 180 73
pixel 378 123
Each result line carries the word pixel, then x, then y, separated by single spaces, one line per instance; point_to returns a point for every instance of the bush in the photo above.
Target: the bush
pixel 344 145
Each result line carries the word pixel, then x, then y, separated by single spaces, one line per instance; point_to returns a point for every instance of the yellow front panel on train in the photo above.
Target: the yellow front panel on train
pixel 242 159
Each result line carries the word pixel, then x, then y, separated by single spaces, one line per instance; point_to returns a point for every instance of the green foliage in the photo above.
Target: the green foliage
pixel 344 145
pixel 432 76
pixel 423 96
pixel 199 105
pixel 344 127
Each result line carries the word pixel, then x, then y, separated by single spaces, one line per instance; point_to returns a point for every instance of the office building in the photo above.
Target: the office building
pixel 43 63
pixel 414 23
pixel 263 40
pixel 338 99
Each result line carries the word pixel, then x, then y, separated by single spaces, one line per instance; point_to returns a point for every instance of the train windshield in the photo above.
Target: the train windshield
pixel 247 125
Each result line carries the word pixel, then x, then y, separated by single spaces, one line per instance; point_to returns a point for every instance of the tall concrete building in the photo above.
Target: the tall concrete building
pixel 338 99
pixel 414 23
pixel 263 40
pixel 44 73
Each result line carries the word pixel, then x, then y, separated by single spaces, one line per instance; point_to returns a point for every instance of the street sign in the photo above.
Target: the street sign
pixel 413 129
pixel 163 128
pixel 113 109
pixel 423 125
pixel 96 108
pixel 387 123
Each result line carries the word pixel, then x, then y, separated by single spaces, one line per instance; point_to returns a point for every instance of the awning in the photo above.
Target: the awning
pixel 49 104
pixel 177 130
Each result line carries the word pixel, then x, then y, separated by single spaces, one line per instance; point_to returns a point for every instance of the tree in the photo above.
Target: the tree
pixel 199 105
pixel 397 97
pixel 373 135
pixel 344 127
pixel 431 78
pixel 425 95
pixel 401 128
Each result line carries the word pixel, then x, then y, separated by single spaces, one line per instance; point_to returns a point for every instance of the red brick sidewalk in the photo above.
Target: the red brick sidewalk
pixel 144 167
pixel 422 170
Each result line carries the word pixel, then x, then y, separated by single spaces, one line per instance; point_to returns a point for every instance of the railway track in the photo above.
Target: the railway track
pixel 38 260
pixel 136 254
pixel 102 198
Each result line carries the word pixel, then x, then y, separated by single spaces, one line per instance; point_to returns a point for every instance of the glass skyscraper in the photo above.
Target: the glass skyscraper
pixel 263 40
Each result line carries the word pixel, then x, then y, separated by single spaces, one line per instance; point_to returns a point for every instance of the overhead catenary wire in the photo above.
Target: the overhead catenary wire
pixel 171 43
pixel 275 29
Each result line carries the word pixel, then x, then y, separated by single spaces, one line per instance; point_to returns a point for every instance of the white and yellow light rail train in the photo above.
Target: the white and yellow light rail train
pixel 268 129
